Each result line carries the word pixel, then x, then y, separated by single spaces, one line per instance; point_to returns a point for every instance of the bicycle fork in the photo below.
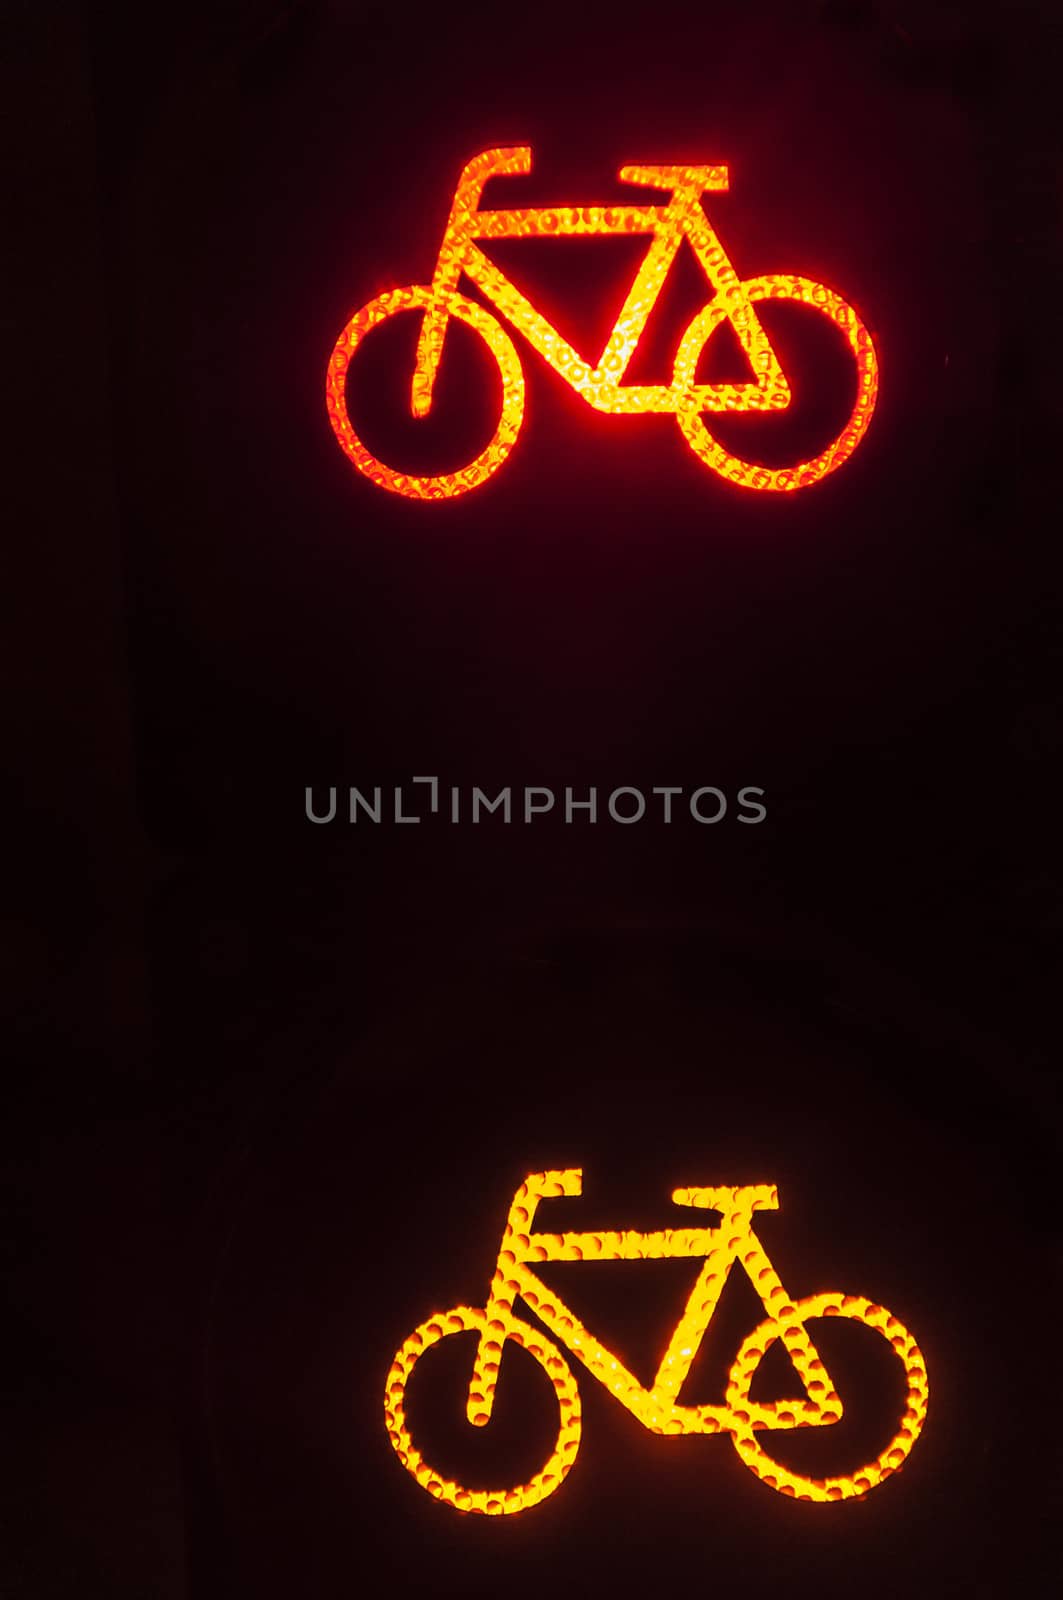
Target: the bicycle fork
pixel 514 161
pixel 434 323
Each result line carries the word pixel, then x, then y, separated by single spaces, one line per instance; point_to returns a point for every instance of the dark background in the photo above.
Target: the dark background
pixel 277 1083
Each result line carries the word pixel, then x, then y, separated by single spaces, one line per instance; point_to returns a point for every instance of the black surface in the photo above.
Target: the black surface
pixel 855 999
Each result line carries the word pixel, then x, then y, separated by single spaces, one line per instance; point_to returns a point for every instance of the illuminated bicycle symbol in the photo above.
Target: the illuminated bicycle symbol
pixel 734 300
pixel 658 1407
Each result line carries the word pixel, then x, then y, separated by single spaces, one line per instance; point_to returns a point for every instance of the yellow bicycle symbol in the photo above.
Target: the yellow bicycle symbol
pixel 657 1408
pixel 734 300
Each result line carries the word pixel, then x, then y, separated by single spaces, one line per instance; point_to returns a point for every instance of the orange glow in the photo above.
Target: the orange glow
pixel 657 1408
pixel 681 216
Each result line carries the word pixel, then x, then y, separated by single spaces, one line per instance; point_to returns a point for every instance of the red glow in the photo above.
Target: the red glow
pixel 681 216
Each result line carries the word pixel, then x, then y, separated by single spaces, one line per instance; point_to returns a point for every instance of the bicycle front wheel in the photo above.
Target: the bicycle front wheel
pixel 444 485
pixel 862 1479
pixel 748 474
pixel 490 1502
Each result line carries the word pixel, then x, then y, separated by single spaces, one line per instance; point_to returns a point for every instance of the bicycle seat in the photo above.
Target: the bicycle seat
pixel 758 1196
pixel 714 178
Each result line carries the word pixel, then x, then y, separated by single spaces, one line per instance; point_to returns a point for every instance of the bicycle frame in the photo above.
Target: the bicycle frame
pixel 656 1408
pixel 681 217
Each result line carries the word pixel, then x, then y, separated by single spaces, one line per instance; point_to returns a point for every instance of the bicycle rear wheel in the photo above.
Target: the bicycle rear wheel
pixel 490 1502
pixel 890 1460
pixel 748 474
